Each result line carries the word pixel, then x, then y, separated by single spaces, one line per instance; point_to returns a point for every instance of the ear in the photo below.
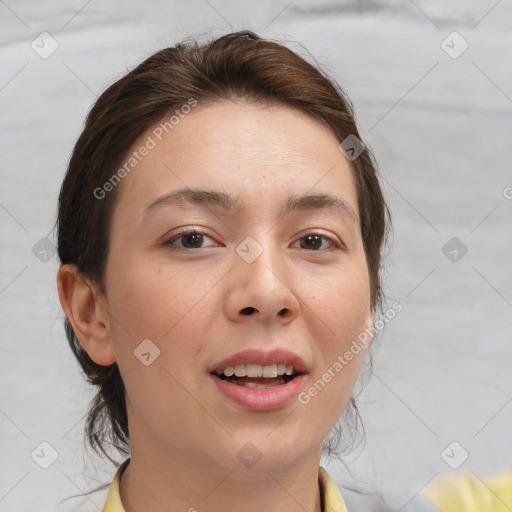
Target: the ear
pixel 369 324
pixel 83 304
pixel 370 317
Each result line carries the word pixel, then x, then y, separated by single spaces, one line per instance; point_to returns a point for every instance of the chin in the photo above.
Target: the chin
pixel 263 453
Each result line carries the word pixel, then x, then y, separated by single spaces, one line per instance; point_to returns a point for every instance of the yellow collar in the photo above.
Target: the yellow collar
pixel 331 496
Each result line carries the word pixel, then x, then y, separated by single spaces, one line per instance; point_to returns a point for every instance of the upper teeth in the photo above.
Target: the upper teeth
pixel 257 370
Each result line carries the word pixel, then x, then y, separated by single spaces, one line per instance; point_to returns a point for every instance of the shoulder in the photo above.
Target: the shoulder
pixel 355 498
pixel 356 501
pixel 91 502
pixel 468 492
pixel 448 493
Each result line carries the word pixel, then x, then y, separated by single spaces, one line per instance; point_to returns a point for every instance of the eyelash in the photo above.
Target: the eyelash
pixel 184 233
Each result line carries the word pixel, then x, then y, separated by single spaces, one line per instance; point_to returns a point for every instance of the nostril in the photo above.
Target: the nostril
pixel 248 311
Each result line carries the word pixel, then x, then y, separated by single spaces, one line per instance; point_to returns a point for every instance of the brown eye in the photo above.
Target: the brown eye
pixel 313 241
pixel 190 240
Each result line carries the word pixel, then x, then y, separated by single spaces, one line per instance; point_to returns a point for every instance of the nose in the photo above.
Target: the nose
pixel 263 289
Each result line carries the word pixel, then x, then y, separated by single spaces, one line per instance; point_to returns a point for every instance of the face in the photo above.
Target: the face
pixel 254 276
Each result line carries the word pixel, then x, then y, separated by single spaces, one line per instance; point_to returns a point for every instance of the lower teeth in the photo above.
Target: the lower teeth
pixel 254 385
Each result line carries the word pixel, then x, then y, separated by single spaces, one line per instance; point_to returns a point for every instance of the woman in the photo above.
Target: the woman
pixel 220 228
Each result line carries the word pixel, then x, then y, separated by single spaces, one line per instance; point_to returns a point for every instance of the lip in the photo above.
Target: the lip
pixel 256 356
pixel 260 399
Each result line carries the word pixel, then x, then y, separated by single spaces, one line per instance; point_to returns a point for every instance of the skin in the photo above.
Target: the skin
pixel 190 302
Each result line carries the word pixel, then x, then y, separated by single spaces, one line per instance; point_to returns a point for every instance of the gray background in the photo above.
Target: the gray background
pixel 441 131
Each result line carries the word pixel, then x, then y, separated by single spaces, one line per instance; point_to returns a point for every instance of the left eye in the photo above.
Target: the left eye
pixel 314 241
pixel 194 239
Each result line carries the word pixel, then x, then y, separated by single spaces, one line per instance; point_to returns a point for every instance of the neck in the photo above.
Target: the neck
pixel 165 482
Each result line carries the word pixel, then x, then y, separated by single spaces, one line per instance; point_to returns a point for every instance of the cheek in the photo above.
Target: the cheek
pixel 147 302
pixel 330 387
pixel 151 299
pixel 341 311
pixel 171 310
pixel 341 301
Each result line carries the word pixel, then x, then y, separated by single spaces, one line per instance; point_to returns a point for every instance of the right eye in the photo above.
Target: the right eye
pixel 191 239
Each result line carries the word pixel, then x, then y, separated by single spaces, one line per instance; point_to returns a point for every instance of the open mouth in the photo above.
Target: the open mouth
pixel 257 382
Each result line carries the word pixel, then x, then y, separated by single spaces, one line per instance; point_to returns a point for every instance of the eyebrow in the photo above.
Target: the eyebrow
pixel 223 201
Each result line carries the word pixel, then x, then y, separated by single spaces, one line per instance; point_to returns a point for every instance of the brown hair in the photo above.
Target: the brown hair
pixel 237 65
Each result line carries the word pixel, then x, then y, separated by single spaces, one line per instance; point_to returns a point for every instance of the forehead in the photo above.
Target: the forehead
pixel 245 149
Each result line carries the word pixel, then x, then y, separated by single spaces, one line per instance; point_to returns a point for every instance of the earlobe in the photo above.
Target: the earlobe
pixel 81 303
pixel 369 324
